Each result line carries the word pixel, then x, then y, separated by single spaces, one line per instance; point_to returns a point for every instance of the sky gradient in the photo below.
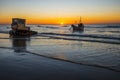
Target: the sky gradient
pixel 57 11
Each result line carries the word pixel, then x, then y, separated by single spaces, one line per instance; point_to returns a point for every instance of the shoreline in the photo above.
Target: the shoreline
pixel 85 64
pixel 34 67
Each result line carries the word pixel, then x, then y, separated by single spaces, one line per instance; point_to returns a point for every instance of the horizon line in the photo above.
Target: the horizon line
pixel 68 24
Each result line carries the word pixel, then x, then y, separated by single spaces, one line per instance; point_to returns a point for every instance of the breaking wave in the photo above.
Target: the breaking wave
pixel 83 37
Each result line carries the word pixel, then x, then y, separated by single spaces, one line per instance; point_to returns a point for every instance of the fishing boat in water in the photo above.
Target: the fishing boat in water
pixel 19 28
pixel 78 27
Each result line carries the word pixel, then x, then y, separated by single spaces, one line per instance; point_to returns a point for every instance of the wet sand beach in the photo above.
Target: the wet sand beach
pixel 26 66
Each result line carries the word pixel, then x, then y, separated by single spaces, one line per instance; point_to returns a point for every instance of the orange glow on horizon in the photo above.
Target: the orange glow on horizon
pixel 85 20
pixel 61 23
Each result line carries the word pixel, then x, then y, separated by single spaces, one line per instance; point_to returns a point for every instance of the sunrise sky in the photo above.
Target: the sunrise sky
pixel 60 11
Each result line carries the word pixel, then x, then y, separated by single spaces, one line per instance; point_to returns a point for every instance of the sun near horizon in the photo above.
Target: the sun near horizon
pixel 61 23
pixel 61 11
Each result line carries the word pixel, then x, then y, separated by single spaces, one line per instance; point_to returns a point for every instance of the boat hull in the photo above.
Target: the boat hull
pixel 77 28
pixel 21 33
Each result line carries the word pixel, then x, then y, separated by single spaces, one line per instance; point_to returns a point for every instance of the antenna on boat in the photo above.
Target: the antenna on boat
pixel 80 20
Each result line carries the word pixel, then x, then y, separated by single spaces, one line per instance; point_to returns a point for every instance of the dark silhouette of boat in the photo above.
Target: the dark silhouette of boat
pixel 19 29
pixel 78 27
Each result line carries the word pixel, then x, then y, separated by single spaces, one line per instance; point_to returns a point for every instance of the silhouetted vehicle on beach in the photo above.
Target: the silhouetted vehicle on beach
pixel 19 28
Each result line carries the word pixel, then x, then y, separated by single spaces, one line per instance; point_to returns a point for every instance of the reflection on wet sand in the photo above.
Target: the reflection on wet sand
pixel 20 44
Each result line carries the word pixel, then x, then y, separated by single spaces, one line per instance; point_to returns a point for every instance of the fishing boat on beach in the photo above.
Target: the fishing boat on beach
pixel 19 28
pixel 78 27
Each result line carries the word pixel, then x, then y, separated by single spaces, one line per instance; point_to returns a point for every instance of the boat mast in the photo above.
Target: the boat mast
pixel 80 20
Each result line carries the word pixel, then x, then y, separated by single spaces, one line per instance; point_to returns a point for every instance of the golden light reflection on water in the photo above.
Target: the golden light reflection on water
pixel 107 32
pixel 60 56
pixel 2 35
pixel 50 42
pixel 62 32
pixel 5 43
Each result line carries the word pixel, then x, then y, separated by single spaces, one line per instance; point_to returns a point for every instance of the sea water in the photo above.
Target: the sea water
pixel 98 45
